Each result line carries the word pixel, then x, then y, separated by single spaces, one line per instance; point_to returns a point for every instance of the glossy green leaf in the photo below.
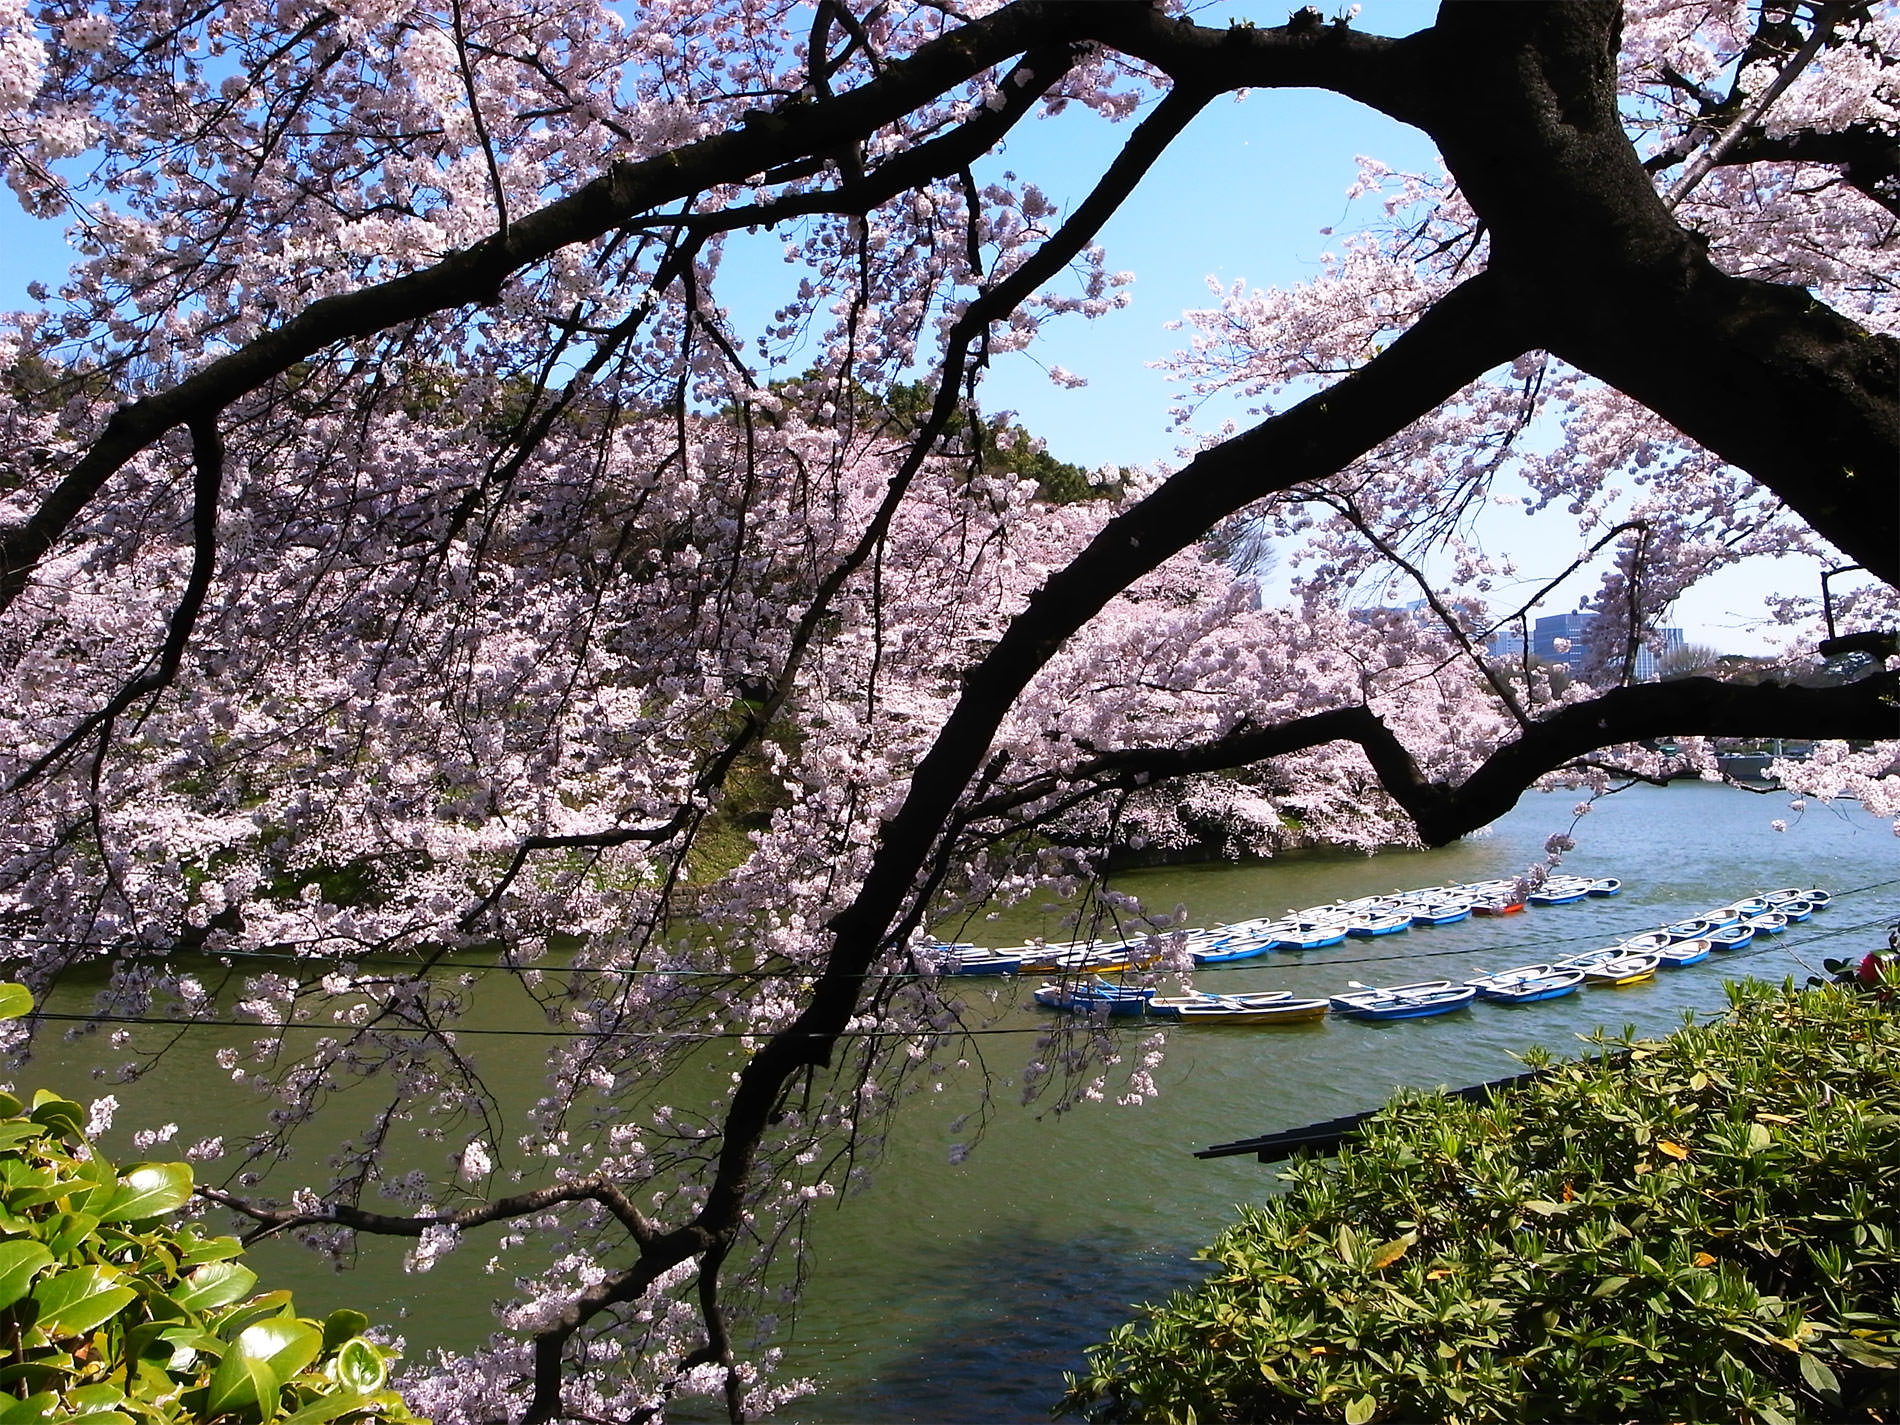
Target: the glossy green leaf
pixel 195 1251
pixel 94 1399
pixel 287 1342
pixel 147 1190
pixel 20 1262
pixel 265 1355
pixel 338 1403
pixel 214 1285
pixel 15 1000
pixel 9 1105
pixel 186 1344
pixel 61 1115
pixel 80 1299
pixel 359 1365
pixel 265 1304
pixel 65 1232
pixel 342 1324
pixel 243 1385
pixel 30 1411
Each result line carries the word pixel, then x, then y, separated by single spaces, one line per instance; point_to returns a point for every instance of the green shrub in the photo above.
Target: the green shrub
pixel 1704 1232
pixel 109 1315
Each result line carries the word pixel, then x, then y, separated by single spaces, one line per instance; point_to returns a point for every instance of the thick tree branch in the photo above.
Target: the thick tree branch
pixel 1803 399
pixel 1868 157
pixel 1865 710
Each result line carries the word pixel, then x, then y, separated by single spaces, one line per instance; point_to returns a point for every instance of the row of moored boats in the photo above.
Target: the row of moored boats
pixel 1314 928
pixel 1628 962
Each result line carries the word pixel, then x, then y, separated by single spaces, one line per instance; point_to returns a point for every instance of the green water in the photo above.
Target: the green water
pixel 960 1293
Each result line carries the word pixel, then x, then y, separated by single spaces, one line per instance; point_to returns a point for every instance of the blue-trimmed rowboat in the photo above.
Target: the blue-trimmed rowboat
pixel 1413 1001
pixel 1308 934
pixel 1730 937
pixel 1551 894
pixel 1771 922
pixel 1245 945
pixel 1605 886
pixel 967 960
pixel 1526 984
pixel 1693 928
pixel 1682 952
pixel 1365 924
pixel 1440 912
pixel 1095 997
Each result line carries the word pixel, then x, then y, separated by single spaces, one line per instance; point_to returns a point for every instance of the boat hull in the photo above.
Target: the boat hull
pixel 1404 1001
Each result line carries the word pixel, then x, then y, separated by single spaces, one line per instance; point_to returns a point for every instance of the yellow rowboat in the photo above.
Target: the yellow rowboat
pixel 1621 970
pixel 1279 1007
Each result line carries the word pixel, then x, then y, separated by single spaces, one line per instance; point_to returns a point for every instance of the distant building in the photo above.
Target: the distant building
pixel 1558 638
pixel 1506 645
pixel 1649 661
pixel 1572 629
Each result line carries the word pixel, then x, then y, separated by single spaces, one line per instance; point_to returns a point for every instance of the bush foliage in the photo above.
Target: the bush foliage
pixel 1703 1231
pixel 111 1316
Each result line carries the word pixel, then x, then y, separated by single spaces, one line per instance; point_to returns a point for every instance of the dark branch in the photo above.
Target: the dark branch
pixel 1866 710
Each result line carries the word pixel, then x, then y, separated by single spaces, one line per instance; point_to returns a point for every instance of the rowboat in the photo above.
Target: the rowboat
pixel 1816 898
pixel 1094 958
pixel 1527 983
pixel 1364 924
pixel 1552 894
pixel 1412 1001
pixel 1621 970
pixel 1795 910
pixel 1653 940
pixel 1604 886
pixel 1771 922
pixel 966 960
pixel 1730 937
pixel 1752 905
pixel 1440 912
pixel 1294 1011
pixel 1682 952
pixel 1506 904
pixel 1274 1007
pixel 1242 945
pixel 1694 928
pixel 1094 997
pixel 1307 934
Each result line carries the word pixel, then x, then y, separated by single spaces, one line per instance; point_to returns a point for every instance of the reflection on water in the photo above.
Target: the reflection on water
pixel 996 1316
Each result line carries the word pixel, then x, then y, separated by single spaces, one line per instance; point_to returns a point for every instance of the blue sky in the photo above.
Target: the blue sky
pixel 1243 195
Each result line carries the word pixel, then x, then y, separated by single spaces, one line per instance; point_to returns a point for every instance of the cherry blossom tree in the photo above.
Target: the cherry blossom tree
pixel 404 555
